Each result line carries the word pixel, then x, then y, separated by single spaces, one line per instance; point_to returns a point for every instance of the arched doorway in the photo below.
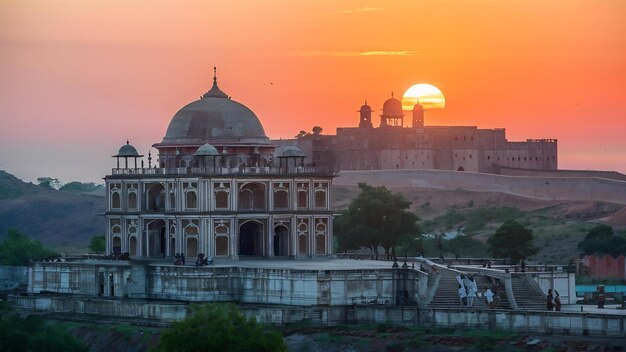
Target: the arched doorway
pixel 460 168
pixel 250 238
pixel 156 239
pixel 281 241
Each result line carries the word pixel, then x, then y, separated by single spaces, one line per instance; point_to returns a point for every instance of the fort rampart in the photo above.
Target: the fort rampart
pixel 546 188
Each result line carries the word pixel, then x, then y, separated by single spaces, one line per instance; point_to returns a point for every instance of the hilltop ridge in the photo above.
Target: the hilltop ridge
pixel 54 217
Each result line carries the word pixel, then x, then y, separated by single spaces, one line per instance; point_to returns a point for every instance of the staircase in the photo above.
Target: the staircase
pixel 447 295
pixel 526 295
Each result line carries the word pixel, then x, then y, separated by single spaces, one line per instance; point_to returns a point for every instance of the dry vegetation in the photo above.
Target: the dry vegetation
pixel 557 225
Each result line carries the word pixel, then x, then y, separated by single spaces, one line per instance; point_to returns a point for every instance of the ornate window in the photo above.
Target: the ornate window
pixel 115 200
pixel 221 239
pixel 155 197
pixel 320 195
pixel 222 193
pixel 172 196
pixel 281 196
pixel 132 246
pixel 191 231
pixel 320 237
pixel 131 189
pixel 303 195
pixel 191 195
pixel 303 237
pixel 251 197
pixel 115 190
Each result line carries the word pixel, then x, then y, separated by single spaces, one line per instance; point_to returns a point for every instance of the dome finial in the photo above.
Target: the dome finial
pixel 392 94
pixel 215 91
pixel 127 141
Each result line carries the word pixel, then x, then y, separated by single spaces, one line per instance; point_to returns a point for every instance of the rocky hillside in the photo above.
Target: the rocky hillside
pixel 56 218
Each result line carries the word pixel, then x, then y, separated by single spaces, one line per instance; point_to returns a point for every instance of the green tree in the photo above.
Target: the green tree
pixel 97 244
pixel 33 334
pixel 512 240
pixel 219 327
pixel 49 182
pixel 302 134
pixel 317 130
pixel 603 240
pixel 376 217
pixel 465 246
pixel 18 249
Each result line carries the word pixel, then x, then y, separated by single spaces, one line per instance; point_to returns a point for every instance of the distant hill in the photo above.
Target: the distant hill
pixel 83 188
pixel 558 226
pixel 69 216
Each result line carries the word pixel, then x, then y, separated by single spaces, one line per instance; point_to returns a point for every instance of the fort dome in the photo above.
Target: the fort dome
pixel 217 119
pixel 392 107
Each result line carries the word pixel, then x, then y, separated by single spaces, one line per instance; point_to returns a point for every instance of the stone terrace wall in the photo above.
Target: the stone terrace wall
pixel 229 283
pixel 546 188
pixel 521 321
pixel 283 286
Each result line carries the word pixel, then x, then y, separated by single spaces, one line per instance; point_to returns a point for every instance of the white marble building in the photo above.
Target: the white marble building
pixel 219 187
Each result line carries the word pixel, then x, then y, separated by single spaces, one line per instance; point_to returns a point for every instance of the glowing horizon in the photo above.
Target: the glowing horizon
pixel 79 78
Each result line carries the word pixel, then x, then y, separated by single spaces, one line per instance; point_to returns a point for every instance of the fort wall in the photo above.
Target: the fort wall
pixel 613 175
pixel 546 188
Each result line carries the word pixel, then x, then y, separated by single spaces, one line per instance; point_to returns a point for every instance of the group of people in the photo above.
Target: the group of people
pixel 553 303
pixel 468 291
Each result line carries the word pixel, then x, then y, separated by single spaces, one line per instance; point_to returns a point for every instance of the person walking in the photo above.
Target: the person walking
pixel 489 296
pixel 557 301
pixel 471 291
pixel 462 295
pixel 549 300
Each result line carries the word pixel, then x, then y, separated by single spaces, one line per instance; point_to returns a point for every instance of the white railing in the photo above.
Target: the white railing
pixel 220 170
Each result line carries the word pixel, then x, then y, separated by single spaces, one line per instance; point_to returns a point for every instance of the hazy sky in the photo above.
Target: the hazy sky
pixel 78 78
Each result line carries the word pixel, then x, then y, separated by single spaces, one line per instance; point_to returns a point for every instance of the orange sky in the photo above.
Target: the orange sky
pixel 79 77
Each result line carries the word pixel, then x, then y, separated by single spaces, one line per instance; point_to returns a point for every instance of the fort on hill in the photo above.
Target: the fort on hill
pixel 393 146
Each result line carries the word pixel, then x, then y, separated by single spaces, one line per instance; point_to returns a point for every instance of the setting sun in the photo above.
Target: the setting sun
pixel 427 95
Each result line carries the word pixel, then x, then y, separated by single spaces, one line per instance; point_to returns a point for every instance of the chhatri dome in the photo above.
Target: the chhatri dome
pixel 392 107
pixel 217 119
